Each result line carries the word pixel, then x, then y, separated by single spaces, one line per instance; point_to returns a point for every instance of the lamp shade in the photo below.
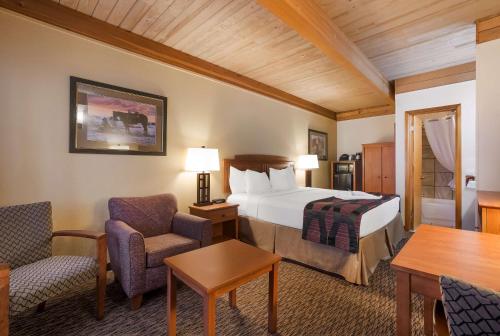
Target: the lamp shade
pixel 307 162
pixel 202 159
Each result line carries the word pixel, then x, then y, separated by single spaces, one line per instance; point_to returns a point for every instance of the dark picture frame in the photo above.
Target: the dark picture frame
pixel 318 144
pixel 109 119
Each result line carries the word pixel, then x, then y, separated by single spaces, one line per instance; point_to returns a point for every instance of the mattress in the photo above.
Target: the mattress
pixel 287 207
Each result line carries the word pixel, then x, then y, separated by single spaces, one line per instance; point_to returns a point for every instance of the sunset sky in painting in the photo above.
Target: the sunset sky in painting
pixel 104 106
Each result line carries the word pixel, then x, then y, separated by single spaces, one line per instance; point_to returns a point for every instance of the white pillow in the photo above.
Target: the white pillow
pixel 282 179
pixel 237 181
pixel 257 183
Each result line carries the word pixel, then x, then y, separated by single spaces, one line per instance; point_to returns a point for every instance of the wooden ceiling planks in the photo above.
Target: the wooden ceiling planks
pixel 119 11
pixel 136 13
pixel 87 6
pixel 400 37
pixel 244 37
pixel 404 37
pixel 153 13
pixel 182 24
pixel 169 14
pixel 237 12
pixel 310 21
pixel 103 9
pixel 69 3
pixel 52 13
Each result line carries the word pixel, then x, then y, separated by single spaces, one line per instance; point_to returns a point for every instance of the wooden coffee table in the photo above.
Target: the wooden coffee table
pixel 218 269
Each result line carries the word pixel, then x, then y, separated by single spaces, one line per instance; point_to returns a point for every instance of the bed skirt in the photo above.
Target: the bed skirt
pixel 354 267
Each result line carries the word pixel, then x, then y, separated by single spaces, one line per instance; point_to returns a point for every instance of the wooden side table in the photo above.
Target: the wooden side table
pixel 224 217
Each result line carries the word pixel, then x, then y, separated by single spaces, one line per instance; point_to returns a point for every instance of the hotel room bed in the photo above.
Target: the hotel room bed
pixel 273 221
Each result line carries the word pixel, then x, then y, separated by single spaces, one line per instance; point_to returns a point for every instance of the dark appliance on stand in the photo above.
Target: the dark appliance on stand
pixel 346 175
pixel 344 157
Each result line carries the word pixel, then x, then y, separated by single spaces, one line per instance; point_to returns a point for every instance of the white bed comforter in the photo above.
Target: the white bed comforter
pixel 287 207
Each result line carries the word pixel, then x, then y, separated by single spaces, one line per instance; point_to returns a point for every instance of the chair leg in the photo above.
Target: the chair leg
pixel 102 249
pixel 101 295
pixel 4 300
pixel 136 302
pixel 41 307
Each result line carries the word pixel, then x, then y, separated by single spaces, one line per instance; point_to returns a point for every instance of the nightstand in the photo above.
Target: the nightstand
pixel 224 217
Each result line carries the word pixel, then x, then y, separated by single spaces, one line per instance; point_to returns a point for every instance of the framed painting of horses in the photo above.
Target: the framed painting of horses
pixel 107 119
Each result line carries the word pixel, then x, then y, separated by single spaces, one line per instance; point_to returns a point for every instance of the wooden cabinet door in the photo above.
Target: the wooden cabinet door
pixel 372 168
pixel 388 169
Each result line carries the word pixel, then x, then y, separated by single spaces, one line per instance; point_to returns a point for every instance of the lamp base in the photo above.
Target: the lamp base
pixel 203 196
pixel 308 178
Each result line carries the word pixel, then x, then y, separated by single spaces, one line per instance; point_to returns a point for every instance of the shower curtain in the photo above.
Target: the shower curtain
pixel 441 135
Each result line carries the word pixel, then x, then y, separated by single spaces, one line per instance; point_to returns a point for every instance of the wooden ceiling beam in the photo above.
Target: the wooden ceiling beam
pixel 55 14
pixel 311 22
pixel 451 75
pixel 366 112
pixel 488 29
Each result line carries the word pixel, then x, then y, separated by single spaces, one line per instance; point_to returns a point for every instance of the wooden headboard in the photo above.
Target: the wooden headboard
pixel 260 163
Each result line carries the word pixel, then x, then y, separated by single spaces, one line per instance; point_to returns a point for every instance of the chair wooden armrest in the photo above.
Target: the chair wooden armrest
pixel 4 299
pixel 102 260
pixel 80 233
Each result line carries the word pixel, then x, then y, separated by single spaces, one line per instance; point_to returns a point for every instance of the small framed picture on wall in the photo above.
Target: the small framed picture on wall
pixel 318 144
pixel 107 119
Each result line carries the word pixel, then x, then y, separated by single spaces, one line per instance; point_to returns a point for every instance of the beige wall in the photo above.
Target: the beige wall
pixel 463 93
pixel 352 134
pixel 36 62
pixel 488 115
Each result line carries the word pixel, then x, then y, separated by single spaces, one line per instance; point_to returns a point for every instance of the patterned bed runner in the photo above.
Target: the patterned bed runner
pixel 336 222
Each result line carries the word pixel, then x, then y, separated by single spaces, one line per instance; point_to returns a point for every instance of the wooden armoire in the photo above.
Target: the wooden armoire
pixel 379 168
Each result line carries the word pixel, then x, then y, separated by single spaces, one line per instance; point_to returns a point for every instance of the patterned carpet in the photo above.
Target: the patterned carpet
pixel 310 303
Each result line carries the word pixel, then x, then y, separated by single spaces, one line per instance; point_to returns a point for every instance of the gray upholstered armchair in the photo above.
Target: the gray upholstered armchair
pixel 29 274
pixel 466 309
pixel 142 232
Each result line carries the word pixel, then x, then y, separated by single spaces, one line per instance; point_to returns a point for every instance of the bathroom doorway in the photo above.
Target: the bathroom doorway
pixel 433 167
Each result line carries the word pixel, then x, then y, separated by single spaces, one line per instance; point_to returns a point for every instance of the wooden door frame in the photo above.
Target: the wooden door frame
pixel 409 115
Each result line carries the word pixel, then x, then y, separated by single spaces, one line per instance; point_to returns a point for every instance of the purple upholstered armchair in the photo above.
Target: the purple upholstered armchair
pixel 142 232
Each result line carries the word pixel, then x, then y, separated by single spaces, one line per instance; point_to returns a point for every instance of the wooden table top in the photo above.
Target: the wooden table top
pixel 471 256
pixel 488 199
pixel 219 265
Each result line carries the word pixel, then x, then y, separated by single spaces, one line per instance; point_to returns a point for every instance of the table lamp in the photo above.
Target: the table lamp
pixel 307 163
pixel 203 161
